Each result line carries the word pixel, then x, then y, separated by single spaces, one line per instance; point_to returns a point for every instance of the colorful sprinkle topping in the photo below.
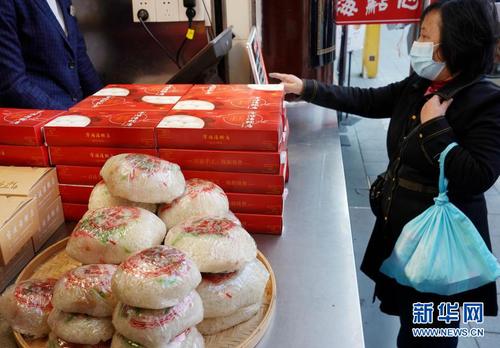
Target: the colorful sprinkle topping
pixel 157 261
pixel 151 319
pixel 210 226
pixel 106 224
pixel 35 293
pixel 91 276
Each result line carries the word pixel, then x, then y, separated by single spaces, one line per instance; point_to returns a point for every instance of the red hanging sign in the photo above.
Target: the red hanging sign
pixel 378 11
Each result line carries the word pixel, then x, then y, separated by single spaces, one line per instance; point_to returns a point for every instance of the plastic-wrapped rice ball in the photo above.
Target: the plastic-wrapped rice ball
pixel 155 278
pixel 110 235
pixel 80 328
pixel 26 306
pixel 211 326
pixel 57 342
pixel 102 198
pixel 87 290
pixel 225 293
pixel 143 178
pixel 154 327
pixel 202 198
pixel 190 338
pixel 216 245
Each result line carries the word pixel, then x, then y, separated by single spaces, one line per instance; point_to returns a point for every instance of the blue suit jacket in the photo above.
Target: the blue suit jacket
pixel 41 67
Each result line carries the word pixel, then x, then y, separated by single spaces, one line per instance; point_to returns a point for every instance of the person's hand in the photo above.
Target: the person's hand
pixel 434 108
pixel 291 83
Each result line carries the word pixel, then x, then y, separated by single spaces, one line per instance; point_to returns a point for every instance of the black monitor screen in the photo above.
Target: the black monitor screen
pixel 200 68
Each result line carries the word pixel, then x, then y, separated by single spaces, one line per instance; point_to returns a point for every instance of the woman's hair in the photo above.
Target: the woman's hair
pixel 469 34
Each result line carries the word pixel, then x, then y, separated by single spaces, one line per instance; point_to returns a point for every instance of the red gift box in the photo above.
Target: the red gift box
pixel 103 128
pixel 233 97
pixel 133 97
pixel 221 130
pixel 78 175
pixel 255 203
pixel 34 156
pixel 271 184
pixel 75 193
pixel 238 202
pixel 90 156
pixel 226 161
pixel 74 211
pixel 23 126
pixel 262 224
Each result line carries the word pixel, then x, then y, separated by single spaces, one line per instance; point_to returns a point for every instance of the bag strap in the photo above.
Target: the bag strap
pixel 443 182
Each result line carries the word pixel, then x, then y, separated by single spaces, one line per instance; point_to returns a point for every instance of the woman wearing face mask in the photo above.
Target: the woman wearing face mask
pixel 446 100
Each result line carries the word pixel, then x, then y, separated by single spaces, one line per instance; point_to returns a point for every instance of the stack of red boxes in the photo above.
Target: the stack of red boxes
pixel 21 140
pixel 117 119
pixel 233 135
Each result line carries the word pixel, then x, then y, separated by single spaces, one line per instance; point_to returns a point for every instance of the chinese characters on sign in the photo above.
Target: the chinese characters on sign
pixel 378 11
pixel 472 312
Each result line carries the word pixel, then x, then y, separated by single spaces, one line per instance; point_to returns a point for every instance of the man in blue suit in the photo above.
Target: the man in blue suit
pixel 43 57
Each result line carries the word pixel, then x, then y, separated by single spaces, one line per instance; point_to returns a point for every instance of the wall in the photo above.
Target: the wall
pixel 122 51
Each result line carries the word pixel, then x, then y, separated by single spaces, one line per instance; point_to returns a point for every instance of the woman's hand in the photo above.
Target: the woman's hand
pixel 291 83
pixel 434 108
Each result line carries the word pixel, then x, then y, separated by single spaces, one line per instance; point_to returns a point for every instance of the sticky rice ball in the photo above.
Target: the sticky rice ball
pixel 202 198
pixel 57 342
pixel 154 327
pixel 155 278
pixel 191 338
pixel 110 235
pixel 87 290
pixel 143 178
pixel 102 198
pixel 26 306
pixel 224 293
pixel 80 328
pixel 216 245
pixel 211 326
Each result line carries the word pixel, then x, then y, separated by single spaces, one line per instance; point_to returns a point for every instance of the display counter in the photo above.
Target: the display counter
pixel 317 300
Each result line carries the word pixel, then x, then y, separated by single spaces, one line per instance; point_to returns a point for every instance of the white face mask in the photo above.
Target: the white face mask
pixel 421 60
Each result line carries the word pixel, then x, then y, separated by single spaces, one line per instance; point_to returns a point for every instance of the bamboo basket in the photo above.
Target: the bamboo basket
pixel 54 262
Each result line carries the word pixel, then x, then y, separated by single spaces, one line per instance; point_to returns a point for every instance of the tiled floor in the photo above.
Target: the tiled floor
pixel 364 157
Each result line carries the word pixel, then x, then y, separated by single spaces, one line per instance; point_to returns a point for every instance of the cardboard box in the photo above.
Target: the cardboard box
pixel 74 211
pixel 271 184
pixel 226 161
pixel 75 193
pixel 16 265
pixel 51 217
pixel 23 126
pixel 90 156
pixel 78 175
pixel 262 224
pixel 15 155
pixel 256 204
pixel 221 130
pixel 233 97
pixel 38 183
pixel 133 98
pixel 104 128
pixel 18 223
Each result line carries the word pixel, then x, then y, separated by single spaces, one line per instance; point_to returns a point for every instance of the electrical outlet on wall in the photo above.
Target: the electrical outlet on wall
pixel 148 5
pixel 200 11
pixel 167 10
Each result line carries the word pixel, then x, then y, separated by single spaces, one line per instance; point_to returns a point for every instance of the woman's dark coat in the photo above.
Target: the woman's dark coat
pixel 472 120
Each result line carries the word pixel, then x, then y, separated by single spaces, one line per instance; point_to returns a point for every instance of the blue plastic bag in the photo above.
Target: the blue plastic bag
pixel 440 251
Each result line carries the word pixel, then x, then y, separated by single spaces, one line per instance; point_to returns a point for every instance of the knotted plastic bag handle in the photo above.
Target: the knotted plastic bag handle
pixel 443 182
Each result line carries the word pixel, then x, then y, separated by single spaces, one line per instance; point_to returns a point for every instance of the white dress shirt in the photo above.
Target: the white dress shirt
pixel 56 9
